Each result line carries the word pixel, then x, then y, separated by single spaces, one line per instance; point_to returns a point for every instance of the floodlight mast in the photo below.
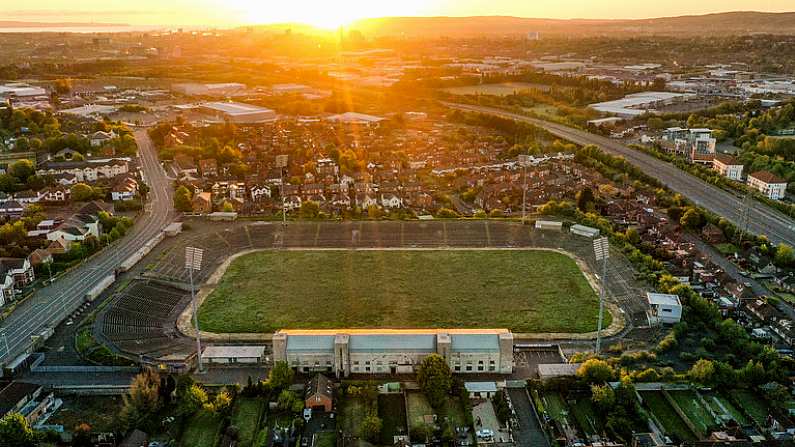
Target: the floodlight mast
pixel 601 247
pixel 193 261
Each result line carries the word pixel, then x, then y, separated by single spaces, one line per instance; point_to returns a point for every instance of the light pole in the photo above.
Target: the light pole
pixel 193 261
pixel 601 248
pixel 281 163
pixel 524 160
pixel 5 343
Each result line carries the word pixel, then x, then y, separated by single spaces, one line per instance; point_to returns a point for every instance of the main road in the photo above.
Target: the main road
pixel 52 304
pixel 761 218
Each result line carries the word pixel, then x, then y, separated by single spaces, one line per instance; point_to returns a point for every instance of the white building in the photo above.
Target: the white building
pixel 218 89
pixel 639 103
pixel 85 171
pixel 230 355
pixel 582 230
pixel 549 225
pixel 481 390
pixel 15 273
pixel 237 112
pixel 728 166
pixel 665 308
pixel 769 184
pixel 394 351
pixel 355 118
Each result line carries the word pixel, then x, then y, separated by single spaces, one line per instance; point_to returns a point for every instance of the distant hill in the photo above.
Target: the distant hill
pixel 709 24
pixel 21 24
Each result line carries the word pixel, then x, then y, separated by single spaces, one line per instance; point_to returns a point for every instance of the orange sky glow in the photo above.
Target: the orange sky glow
pixel 333 13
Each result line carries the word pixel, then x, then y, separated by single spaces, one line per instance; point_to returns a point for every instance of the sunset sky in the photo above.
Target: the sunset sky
pixel 331 13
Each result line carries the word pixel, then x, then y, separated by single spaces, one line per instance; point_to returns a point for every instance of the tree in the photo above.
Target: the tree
pixel 192 400
pixel 81 192
pixel 22 169
pixel 370 429
pixel 703 372
pixel 692 219
pixel 281 375
pixel 182 200
pixel 286 399
pixel 595 371
pixel 227 207
pixel 603 397
pixel 785 256
pixel 585 200
pixel 435 379
pixel 143 399
pixel 309 209
pixel 81 436
pixel 421 433
pixel 15 431
pixel 63 86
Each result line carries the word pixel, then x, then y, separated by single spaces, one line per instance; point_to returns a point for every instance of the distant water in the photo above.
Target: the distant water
pixel 83 29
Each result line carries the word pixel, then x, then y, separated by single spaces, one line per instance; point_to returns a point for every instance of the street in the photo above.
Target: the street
pixel 762 219
pixel 50 305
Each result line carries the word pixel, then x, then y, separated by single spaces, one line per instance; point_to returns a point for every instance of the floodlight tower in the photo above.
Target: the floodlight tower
pixel 601 248
pixel 193 261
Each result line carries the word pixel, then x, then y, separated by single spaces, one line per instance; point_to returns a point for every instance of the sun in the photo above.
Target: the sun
pixel 325 14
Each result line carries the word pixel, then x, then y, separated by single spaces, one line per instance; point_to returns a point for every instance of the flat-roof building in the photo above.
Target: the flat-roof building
pixel 355 118
pixel 237 112
pixel 639 103
pixel 665 308
pixel 394 351
pixel 233 354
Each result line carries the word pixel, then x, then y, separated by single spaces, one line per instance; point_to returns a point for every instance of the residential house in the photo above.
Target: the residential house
pixel 202 203
pixel 11 208
pixel 56 194
pixel 15 274
pixel 26 197
pixel 319 394
pixel 728 166
pixel 124 188
pixel 81 225
pixel 769 184
pixel 185 165
pixel 391 201
pixel 664 308
pixel 65 179
pixel 28 399
pixel 101 138
pixel 40 256
pixel 259 192
pixel 208 167
pixel 85 171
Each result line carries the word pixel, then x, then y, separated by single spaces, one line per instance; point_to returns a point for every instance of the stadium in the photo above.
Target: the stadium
pixel 259 278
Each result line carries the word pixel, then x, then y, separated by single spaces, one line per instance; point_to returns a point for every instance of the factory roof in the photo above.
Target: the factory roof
pixel 388 343
pixel 235 108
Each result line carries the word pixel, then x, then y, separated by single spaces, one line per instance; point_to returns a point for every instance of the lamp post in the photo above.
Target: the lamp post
pixel 601 248
pixel 193 261
pixel 281 163
pixel 524 160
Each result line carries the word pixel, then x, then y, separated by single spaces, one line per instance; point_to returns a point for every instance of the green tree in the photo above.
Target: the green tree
pixel 603 397
pixel 281 375
pixel 692 219
pixel 286 399
pixel 703 372
pixel 309 209
pixel 22 169
pixel 435 379
pixel 370 428
pixel 81 192
pixel 15 431
pixel 595 371
pixel 227 207
pixel 143 399
pixel 192 400
pixel 586 200
pixel 182 200
pixel 785 256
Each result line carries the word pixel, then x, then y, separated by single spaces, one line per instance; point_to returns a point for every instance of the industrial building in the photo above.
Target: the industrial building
pixel 236 112
pixel 640 103
pixel 394 351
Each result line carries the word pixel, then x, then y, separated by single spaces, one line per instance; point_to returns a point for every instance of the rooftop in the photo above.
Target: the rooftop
pixel 233 351
pixel 235 108
pixel 767 177
pixel 657 299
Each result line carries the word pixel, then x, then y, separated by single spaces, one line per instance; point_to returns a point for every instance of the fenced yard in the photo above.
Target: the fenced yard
pixel 672 424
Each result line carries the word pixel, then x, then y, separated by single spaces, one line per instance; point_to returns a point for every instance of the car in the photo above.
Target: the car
pixel 307 414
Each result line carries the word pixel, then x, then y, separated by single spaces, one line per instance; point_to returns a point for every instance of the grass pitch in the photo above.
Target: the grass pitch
pixel 522 290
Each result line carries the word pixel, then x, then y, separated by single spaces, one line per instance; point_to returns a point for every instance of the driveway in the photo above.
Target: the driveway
pixel 529 433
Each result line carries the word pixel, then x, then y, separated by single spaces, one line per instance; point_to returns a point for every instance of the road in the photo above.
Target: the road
pixel 762 219
pixel 52 304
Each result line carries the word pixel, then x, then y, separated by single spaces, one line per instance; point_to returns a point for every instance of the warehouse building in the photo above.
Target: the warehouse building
pixel 237 112
pixel 394 351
